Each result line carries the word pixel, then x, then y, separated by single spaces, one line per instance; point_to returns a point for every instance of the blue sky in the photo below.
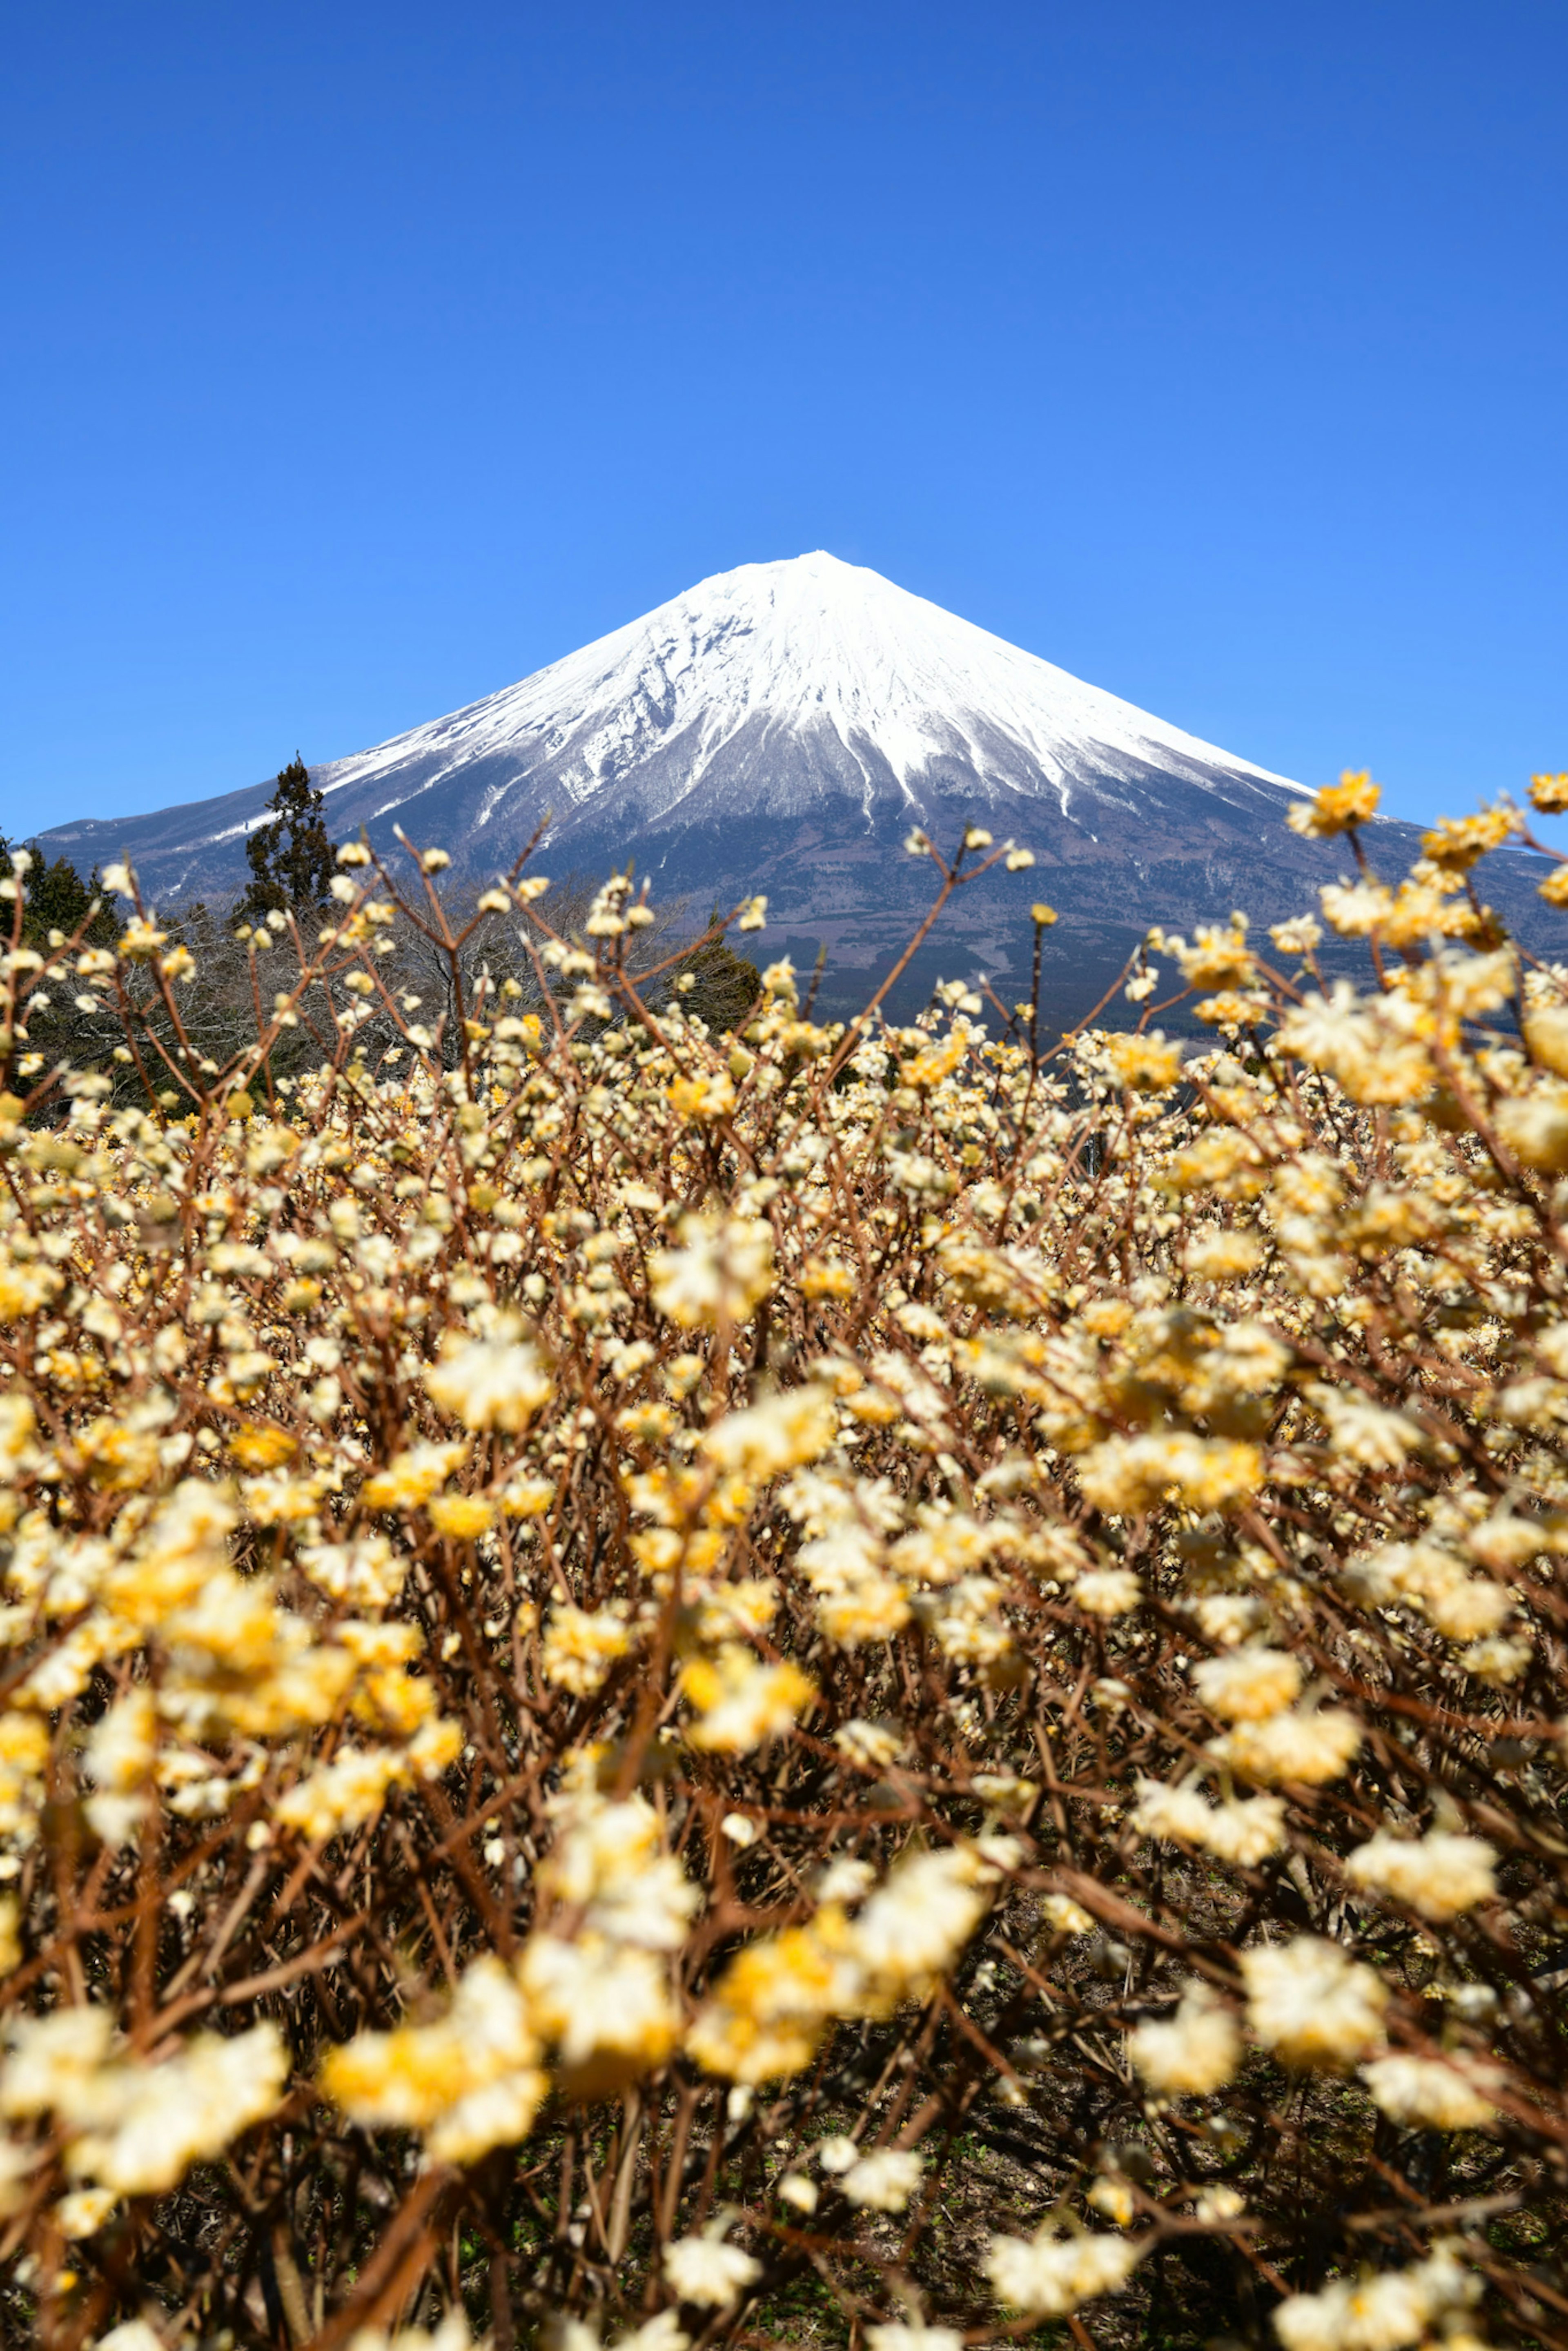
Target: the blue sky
pixel 358 360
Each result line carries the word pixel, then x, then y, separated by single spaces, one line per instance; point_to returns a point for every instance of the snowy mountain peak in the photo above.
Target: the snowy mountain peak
pixel 888 685
pixel 779 728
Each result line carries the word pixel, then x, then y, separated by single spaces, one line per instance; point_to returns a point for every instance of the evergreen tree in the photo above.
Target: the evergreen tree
pixel 56 900
pixel 291 860
pixel 726 986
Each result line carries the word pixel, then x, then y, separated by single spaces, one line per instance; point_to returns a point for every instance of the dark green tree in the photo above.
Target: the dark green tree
pixel 725 985
pixel 291 860
pixel 55 906
pixel 56 900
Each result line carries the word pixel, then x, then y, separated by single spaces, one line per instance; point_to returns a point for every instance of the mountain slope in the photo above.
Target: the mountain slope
pixel 781 727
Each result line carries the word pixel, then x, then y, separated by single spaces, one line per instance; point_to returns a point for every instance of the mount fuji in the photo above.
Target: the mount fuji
pixel 781 727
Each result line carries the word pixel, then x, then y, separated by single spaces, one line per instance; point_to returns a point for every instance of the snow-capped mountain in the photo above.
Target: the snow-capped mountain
pixel 783 686
pixel 779 691
pixel 781 727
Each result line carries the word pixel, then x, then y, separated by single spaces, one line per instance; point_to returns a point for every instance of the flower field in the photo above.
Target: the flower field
pixel 855 1685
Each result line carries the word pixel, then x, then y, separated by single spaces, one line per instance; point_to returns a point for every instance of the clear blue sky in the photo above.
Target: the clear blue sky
pixel 358 360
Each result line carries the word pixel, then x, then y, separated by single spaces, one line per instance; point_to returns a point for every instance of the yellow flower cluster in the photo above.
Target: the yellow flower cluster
pixel 644 1668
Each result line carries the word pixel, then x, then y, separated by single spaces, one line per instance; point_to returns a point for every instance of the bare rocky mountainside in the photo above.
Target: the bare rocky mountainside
pixel 782 728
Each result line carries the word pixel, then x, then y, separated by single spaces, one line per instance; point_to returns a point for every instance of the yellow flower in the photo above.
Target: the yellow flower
pixel 1385 2310
pixel 1250 1685
pixel 1459 842
pixel 1312 1745
pixel 867 1608
pixel 1356 909
pixel 776 2000
pixel 1546 1034
pixel 411 1478
pixel 1218 1253
pixel 1148 1065
pixel 527 1498
pixel 1194 2052
pixel 137 2128
pixel 915 1926
pixel 118 1757
pixel 469 2082
pixel 607 2006
pixel 1049 2276
pixel 257 1445
pixel 1108 1592
pixel 1311 2004
pixel 795 1425
pixel 722 1270
pixel 497 1383
pixel 1217 959
pixel 281 1501
pixel 1439 1876
pixel 1241 1831
pixel 461 1516
pixel 741 1702
pixel 1131 1474
pixel 1432 2093
pixel 342 1794
pixel 365 1573
pixel 710 1095
pixel 1535 1126
pixel 579 1645
pixel 827 1278
pixel 1337 808
pixel 140 940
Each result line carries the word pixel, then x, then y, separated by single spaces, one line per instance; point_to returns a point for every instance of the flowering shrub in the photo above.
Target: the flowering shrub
pixel 845 1682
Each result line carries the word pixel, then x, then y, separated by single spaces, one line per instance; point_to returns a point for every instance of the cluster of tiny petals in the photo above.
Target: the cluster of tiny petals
pixel 715 1609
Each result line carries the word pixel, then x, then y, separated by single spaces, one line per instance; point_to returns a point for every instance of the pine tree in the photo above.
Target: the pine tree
pixel 726 984
pixel 58 899
pixel 291 860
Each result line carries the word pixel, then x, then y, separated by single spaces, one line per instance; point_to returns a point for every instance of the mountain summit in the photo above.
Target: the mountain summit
pixel 775 692
pixel 781 727
pixel 780 689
